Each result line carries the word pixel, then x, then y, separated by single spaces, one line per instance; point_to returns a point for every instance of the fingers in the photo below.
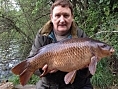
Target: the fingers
pixel 45 68
pixel 53 71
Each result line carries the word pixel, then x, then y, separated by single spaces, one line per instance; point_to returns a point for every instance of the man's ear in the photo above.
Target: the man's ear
pixel 51 17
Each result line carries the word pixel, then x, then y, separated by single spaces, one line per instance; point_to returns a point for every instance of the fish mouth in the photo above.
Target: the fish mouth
pixel 112 50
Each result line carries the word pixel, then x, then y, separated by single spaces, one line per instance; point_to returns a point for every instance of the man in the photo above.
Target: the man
pixel 61 26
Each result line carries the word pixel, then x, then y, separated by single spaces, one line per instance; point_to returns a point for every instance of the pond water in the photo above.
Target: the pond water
pixel 5 69
pixel 8 58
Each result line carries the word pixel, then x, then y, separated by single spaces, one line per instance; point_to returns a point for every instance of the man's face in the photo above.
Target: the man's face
pixel 61 18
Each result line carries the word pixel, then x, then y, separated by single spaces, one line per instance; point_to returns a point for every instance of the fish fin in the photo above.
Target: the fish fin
pixel 73 78
pixel 92 65
pixel 18 69
pixel 69 77
pixel 25 76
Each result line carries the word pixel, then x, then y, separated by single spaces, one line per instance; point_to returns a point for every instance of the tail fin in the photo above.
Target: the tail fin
pixel 25 76
pixel 18 69
pixel 22 70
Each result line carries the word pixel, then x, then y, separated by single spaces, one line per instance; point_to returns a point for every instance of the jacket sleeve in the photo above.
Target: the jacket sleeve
pixel 81 33
pixel 39 41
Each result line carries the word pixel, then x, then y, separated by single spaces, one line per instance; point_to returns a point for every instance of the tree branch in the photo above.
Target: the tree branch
pixel 12 24
pixel 106 32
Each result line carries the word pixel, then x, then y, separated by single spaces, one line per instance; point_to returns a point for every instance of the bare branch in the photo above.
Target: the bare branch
pixel 12 24
pixel 106 32
pixel 42 16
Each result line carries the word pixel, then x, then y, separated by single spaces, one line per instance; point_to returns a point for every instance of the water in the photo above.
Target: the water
pixel 8 58
pixel 5 68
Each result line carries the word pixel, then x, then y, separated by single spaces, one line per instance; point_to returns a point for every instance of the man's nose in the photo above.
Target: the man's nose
pixel 62 19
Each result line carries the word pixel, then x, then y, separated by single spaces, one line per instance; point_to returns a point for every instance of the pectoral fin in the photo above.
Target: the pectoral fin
pixel 92 65
pixel 69 77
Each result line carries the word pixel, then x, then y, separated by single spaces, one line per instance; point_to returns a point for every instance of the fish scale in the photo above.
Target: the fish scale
pixel 67 55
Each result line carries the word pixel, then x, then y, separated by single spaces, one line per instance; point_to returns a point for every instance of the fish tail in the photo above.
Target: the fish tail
pixel 22 70
pixel 18 69
pixel 25 76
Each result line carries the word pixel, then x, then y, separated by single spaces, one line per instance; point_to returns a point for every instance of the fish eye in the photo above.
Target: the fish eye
pixel 103 46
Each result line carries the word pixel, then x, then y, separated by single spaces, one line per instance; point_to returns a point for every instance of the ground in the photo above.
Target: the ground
pixel 9 85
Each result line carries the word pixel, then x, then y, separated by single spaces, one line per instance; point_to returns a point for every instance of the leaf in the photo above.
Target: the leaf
pixel 101 1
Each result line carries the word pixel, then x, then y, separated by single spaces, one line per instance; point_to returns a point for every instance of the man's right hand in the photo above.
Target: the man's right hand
pixel 45 68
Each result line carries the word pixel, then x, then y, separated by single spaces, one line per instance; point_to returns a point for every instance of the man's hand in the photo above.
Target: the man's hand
pixel 45 68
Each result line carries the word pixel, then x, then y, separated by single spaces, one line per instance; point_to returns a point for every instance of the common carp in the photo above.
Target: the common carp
pixel 68 55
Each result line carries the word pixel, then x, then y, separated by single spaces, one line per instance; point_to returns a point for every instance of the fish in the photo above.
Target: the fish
pixel 68 56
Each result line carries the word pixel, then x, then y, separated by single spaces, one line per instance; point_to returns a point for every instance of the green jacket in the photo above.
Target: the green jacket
pixel 57 79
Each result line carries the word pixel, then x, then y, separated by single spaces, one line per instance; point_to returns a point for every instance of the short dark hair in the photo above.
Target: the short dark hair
pixel 63 3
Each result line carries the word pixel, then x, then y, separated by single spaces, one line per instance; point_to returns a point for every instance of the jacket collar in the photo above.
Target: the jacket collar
pixel 46 29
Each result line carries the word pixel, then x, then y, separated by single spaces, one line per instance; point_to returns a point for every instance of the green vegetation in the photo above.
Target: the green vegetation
pixel 15 79
pixel 22 20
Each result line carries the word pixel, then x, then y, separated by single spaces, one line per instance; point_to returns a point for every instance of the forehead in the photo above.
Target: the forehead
pixel 60 9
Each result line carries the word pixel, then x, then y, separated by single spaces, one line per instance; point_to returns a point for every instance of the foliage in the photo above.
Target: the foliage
pixel 103 77
pixel 15 79
pixel 34 79
pixel 21 23
pixel 101 22
pixel 20 20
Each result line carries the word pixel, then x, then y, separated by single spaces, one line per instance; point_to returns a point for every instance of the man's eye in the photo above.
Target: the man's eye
pixel 57 15
pixel 66 16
